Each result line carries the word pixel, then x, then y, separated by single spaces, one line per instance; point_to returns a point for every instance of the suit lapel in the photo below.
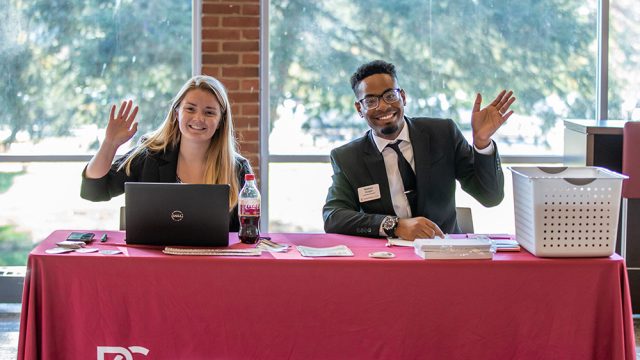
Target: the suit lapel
pixel 422 159
pixel 375 164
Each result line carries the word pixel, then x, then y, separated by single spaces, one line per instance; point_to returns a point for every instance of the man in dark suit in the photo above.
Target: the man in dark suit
pixel 399 179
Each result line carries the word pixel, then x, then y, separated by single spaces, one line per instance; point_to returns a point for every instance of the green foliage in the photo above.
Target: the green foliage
pixel 63 63
pixel 6 179
pixel 14 246
pixel 444 51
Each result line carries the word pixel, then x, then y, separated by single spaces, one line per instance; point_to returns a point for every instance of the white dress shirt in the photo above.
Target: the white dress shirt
pixel 398 198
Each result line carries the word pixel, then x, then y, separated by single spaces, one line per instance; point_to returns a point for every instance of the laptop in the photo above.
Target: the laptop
pixel 176 214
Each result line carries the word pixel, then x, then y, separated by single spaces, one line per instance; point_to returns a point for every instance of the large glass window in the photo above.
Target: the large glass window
pixel 62 64
pixel 624 61
pixel 445 52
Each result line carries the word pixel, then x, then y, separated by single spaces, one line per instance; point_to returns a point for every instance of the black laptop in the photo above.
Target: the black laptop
pixel 177 214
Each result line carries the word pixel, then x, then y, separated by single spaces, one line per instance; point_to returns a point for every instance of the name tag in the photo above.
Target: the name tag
pixel 368 193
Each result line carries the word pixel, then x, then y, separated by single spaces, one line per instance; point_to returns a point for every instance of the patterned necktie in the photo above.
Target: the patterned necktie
pixel 408 177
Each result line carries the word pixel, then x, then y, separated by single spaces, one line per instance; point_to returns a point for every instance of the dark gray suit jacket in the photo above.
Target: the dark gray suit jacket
pixel 149 167
pixel 441 154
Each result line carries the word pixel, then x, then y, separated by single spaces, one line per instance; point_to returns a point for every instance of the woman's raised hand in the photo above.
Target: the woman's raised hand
pixel 122 127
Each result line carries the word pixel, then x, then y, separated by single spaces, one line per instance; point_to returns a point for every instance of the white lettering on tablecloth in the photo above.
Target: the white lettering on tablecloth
pixel 121 351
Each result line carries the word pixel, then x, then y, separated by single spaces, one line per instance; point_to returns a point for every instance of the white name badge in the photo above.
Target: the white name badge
pixel 368 193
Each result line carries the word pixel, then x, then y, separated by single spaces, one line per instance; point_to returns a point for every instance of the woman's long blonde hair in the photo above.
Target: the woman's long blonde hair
pixel 220 167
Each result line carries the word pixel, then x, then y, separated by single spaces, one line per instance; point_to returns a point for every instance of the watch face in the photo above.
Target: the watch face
pixel 389 223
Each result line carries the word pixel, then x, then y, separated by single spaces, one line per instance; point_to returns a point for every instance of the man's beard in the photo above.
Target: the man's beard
pixel 389 129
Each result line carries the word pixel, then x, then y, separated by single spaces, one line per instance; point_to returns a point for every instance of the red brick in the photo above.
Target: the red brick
pixel 241 46
pixel 251 147
pixel 231 1
pixel 250 9
pixel 232 84
pixel 241 21
pixel 246 122
pixel 250 109
pixel 222 9
pixel 244 97
pixel 236 109
pixel 221 34
pixel 210 46
pixel 250 59
pixel 220 58
pixel 251 34
pixel 210 21
pixel 211 70
pixel 243 71
pixel 249 84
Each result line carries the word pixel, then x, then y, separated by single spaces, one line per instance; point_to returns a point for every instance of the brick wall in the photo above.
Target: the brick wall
pixel 231 53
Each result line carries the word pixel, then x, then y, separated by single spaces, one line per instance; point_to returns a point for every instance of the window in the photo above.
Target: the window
pixel 62 64
pixel 445 52
pixel 624 62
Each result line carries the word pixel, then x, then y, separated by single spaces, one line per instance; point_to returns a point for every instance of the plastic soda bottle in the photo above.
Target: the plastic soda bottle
pixel 249 211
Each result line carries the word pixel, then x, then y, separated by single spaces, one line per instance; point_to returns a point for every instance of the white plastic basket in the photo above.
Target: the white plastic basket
pixel 566 211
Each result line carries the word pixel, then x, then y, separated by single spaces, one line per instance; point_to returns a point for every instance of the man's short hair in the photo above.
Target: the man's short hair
pixel 372 68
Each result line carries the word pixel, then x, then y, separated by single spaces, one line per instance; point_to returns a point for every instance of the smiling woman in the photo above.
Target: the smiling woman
pixel 195 143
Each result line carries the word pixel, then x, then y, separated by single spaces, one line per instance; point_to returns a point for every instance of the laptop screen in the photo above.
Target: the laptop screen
pixel 177 214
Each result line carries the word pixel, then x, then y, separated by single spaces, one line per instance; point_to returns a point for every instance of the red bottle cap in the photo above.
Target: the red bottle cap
pixel 248 177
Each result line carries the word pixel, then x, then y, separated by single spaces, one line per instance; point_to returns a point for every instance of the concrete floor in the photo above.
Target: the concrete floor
pixel 9 327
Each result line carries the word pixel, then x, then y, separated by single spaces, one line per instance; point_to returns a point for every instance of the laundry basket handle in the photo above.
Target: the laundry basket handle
pixel 579 181
pixel 552 169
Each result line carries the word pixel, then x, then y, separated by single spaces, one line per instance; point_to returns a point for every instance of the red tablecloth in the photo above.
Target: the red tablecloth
pixel 283 306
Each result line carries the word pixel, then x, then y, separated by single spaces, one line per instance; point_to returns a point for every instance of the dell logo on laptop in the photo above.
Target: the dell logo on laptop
pixel 177 215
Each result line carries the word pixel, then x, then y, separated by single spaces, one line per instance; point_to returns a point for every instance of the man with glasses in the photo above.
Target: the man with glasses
pixel 399 179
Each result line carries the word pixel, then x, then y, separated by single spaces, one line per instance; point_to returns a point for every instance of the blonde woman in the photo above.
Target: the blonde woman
pixel 195 144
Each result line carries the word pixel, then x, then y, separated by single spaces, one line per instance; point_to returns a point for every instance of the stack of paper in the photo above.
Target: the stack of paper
pixel 499 242
pixel 448 248
pixel 505 245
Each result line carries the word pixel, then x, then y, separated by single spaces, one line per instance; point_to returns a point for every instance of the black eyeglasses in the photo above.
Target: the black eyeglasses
pixel 371 102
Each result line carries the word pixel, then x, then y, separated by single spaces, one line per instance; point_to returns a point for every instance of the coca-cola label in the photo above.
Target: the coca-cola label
pixel 249 209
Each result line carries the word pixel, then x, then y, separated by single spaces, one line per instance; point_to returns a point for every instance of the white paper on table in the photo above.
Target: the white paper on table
pixel 340 250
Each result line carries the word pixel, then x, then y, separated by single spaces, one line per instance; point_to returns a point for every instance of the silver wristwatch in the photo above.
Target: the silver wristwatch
pixel 389 225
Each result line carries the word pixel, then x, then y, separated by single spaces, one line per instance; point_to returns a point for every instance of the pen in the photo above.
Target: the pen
pixel 103 238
